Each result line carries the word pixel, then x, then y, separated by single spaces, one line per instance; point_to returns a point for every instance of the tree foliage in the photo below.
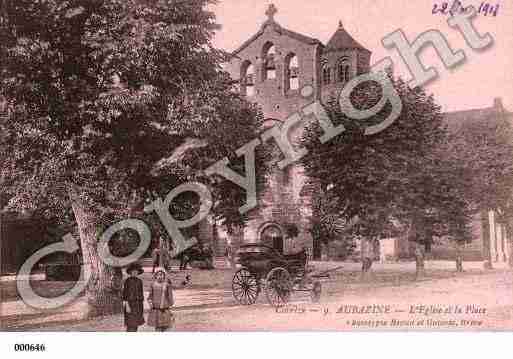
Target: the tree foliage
pixel 328 225
pixel 397 178
pixel 486 149
pixel 111 103
pixel 102 94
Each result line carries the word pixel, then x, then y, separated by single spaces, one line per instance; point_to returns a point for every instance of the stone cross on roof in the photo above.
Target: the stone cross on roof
pixel 271 11
pixel 340 25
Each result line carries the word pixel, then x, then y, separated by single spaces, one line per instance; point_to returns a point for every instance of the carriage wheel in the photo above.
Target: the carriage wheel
pixel 315 294
pixel 245 287
pixel 278 286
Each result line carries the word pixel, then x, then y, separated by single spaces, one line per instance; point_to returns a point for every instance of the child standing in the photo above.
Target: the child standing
pixel 161 300
pixel 133 298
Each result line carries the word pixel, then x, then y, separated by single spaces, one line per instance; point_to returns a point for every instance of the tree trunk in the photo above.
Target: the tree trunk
pixel 324 252
pixel 162 252
pixel 103 291
pixel 509 242
pixel 485 230
pixel 215 238
pixel 368 254
pixel 459 257
pixel 419 260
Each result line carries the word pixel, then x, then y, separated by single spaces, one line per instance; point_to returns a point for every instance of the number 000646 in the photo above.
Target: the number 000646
pixel 29 347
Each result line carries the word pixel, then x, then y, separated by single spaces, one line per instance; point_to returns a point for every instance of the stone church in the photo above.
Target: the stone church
pixel 271 68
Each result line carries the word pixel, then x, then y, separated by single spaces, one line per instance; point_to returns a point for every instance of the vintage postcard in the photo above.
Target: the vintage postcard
pixel 243 165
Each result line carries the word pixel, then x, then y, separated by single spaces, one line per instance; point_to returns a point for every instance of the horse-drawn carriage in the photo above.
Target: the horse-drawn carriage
pixel 278 274
pixel 202 256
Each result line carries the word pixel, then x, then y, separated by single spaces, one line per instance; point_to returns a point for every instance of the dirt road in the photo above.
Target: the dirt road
pixel 476 300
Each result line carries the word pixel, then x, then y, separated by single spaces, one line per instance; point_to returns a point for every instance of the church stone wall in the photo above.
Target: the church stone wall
pixel 282 202
pixel 271 94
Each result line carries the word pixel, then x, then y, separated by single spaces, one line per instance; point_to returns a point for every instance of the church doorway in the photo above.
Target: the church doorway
pixel 272 236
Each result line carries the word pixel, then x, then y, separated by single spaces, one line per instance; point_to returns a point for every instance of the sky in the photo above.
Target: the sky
pixel 474 84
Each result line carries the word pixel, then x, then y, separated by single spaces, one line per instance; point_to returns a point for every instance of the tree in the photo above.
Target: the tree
pixel 328 225
pixel 112 102
pixel 394 176
pixel 441 202
pixel 486 149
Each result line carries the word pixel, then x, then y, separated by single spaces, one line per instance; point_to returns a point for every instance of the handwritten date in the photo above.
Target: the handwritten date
pixel 456 7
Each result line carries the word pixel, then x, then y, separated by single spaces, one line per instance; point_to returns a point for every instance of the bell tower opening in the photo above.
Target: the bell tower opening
pixel 268 56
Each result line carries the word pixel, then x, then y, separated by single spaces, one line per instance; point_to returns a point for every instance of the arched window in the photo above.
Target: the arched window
pixel 292 72
pixel 247 79
pixel 269 70
pixel 326 75
pixel 343 70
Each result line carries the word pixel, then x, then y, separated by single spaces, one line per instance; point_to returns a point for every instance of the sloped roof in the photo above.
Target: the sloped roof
pixel 281 30
pixel 341 40
pixel 455 120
